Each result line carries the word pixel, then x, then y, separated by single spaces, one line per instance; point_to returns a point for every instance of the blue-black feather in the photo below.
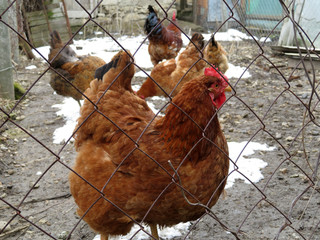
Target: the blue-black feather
pixel 152 21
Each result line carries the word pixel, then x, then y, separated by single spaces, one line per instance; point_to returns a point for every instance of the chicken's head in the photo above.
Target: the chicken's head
pixel 218 85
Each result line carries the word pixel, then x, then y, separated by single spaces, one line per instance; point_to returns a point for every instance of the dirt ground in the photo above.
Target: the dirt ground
pixel 269 107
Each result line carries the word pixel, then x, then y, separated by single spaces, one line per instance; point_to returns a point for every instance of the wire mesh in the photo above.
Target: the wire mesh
pixel 277 105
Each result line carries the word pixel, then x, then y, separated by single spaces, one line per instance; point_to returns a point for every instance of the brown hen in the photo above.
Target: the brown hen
pixel 164 42
pixel 169 73
pixel 123 173
pixel 215 54
pixel 77 71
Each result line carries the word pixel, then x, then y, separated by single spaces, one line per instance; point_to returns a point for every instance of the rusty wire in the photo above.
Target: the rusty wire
pixel 310 118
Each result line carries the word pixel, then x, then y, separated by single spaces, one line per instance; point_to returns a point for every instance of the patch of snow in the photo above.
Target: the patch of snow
pixel 236 71
pixel 250 167
pixel 135 87
pixel 264 39
pixel 229 35
pixel 30 67
pixel 69 110
pixel 176 231
pixel 142 74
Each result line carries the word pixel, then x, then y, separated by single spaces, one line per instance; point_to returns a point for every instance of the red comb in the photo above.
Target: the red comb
pixel 210 71
pixel 174 16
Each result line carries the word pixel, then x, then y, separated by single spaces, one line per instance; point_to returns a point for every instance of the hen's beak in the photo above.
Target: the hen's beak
pixel 228 89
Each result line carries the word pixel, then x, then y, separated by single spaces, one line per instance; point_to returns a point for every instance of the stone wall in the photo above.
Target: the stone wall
pixel 128 16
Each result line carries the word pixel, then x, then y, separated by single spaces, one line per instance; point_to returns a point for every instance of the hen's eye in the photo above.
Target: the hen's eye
pixel 217 85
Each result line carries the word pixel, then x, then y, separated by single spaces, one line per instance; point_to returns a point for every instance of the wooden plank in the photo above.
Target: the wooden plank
pixel 292 49
pixel 34 18
pixel 63 33
pixel 53 6
pixel 43 38
pixel 56 10
pixel 293 63
pixel 34 14
pixel 44 27
pixel 306 57
pixel 39 30
pixel 38 20
pixel 43 22
pixel 56 15
pixel 37 23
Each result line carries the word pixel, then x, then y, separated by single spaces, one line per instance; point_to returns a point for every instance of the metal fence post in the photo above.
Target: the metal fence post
pixel 6 75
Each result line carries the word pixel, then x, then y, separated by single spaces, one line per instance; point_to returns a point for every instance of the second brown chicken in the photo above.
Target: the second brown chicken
pixel 170 75
pixel 69 68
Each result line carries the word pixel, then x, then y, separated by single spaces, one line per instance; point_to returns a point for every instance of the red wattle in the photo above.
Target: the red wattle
pixel 220 100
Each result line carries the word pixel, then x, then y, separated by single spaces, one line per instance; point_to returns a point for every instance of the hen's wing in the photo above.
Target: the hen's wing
pixel 116 101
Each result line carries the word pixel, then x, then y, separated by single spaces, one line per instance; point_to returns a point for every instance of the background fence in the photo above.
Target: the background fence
pixel 277 105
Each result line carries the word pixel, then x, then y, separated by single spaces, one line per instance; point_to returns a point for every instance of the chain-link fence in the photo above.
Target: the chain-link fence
pixel 270 121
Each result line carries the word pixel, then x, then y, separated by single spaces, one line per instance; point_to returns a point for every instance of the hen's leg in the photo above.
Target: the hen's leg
pixel 104 237
pixel 154 231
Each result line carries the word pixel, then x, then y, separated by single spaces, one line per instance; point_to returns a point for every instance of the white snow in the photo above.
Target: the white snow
pixel 165 233
pixel 135 87
pixel 142 74
pixel 152 106
pixel 30 67
pixel 69 110
pixel 229 35
pixel 44 51
pixel 250 167
pixel 106 48
pixel 236 72
pixel 264 39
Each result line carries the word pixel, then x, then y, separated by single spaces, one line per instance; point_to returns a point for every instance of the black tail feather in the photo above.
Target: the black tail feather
pixel 151 10
pixel 213 41
pixel 99 73
pixel 151 21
